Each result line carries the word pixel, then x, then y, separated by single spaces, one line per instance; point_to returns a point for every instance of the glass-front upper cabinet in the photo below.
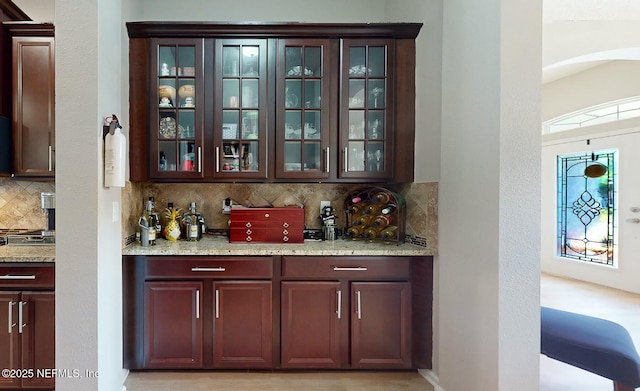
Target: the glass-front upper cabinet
pixel 240 114
pixel 176 120
pixel 303 123
pixel 366 108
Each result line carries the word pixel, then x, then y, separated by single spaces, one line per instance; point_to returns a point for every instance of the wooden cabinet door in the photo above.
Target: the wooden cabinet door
pixel 173 324
pixel 381 325
pixel 9 338
pixel 33 121
pixel 312 313
pixel 242 325
pixel 38 336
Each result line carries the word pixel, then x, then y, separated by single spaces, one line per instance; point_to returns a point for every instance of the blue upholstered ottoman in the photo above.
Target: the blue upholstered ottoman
pixel 593 344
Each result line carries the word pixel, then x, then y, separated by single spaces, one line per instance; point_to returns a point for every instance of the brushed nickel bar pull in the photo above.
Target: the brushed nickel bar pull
pixel 207 269
pixel 10 317
pixel 327 160
pixel 217 303
pixel 17 277
pixel 50 158
pixel 339 310
pixel 346 162
pixel 355 268
pixel 199 159
pixel 359 310
pixel 197 303
pixel 20 311
pixel 217 159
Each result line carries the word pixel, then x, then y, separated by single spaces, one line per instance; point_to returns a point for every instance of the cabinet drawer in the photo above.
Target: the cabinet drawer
pixel 27 277
pixel 267 225
pixel 347 267
pixel 208 267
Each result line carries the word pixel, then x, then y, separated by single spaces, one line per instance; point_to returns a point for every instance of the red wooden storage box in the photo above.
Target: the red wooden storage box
pixel 266 225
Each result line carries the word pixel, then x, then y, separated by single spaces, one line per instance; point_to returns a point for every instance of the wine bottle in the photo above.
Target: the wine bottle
pixel 370 233
pixel 381 221
pixel 362 220
pixel 152 222
pixel 156 216
pixel 192 224
pixel 371 209
pixel 353 232
pixel 381 197
pixel 389 233
pixel 388 209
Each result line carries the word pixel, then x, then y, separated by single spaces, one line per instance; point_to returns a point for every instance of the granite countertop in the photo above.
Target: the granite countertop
pixel 27 254
pixel 215 245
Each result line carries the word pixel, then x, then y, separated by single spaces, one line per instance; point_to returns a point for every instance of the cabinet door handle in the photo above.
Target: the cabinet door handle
pixel 197 303
pixel 345 162
pixel 20 316
pixel 339 310
pixel 217 303
pixel 199 159
pixel 326 160
pixel 10 317
pixel 18 277
pixel 217 159
pixel 359 309
pixel 208 269
pixel 50 158
pixel 350 269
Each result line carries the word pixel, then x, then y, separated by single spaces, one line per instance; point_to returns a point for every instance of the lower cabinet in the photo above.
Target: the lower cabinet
pixel 288 312
pixel 27 333
pixel 346 323
pixel 198 313
pixel 173 324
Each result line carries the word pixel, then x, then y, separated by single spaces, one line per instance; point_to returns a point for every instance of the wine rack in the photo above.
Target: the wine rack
pixel 375 214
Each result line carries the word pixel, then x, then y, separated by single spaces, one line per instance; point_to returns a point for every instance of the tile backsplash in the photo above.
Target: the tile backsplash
pixel 20 203
pixel 421 213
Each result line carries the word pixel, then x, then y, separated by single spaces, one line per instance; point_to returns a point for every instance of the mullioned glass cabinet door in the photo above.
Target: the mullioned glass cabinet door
pixel 303 123
pixel 240 134
pixel 176 107
pixel 366 135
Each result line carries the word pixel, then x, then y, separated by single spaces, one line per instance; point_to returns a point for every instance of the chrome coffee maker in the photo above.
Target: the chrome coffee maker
pixel 48 204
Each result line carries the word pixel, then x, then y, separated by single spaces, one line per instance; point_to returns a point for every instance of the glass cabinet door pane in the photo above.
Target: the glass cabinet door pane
pixel 356 93
pixel 250 125
pixel 357 61
pixel 375 156
pixel 376 93
pixel 293 60
pixel 356 124
pixel 313 61
pixel 292 93
pixel 250 93
pixel 312 156
pixel 167 156
pixel 377 61
pixel 293 124
pixel 375 127
pixel 187 156
pixel 312 125
pixel 250 61
pixel 355 156
pixel 292 156
pixel 250 156
pixel 231 61
pixel 230 124
pixel 312 94
pixel 186 124
pixel 230 93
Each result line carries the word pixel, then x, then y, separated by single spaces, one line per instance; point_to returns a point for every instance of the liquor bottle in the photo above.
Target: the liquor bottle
pixel 192 224
pixel 381 221
pixel 152 222
pixel 353 209
pixel 389 233
pixel 154 215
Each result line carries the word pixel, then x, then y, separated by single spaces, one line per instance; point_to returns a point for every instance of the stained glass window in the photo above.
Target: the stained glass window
pixel 586 207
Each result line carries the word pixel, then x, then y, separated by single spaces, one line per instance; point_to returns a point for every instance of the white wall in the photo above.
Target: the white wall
pixel 489 196
pixel 88 250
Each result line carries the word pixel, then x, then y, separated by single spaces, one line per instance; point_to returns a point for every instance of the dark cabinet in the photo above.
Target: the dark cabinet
pixel 242 326
pixel 173 324
pixel 274 102
pixel 358 321
pixel 28 326
pixel 33 99
pixel 198 312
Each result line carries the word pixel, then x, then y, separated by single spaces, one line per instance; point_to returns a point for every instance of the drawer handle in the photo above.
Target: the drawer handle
pixel 10 316
pixel 350 269
pixel 249 238
pixel 286 225
pixel 285 239
pixel 208 269
pixel 339 309
pixel 249 232
pixel 285 232
pixel 266 215
pixel 197 303
pixel 15 277
pixel 21 325
pixel 217 303
pixel 359 310
pixel 248 225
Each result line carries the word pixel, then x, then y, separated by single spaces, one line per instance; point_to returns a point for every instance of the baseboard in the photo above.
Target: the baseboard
pixel 431 378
